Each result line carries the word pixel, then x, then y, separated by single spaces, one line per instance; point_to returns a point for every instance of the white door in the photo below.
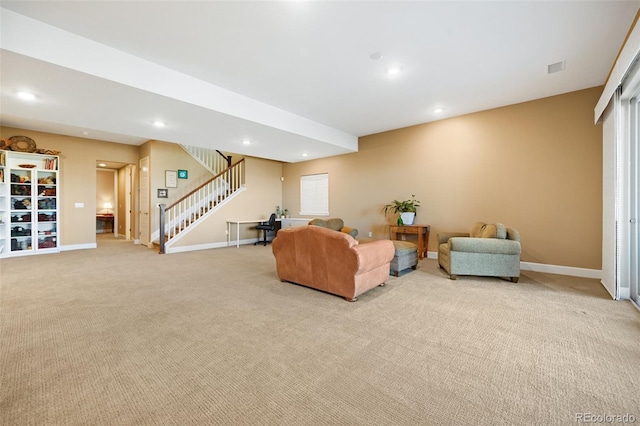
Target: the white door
pixel 145 237
pixel 128 199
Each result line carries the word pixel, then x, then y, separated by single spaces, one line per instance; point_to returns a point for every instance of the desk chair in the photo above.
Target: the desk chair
pixel 266 226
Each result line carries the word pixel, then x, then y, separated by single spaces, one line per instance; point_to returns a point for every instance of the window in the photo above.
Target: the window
pixel 314 195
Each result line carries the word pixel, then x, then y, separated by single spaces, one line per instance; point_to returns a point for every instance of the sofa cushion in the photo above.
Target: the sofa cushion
pixel 404 247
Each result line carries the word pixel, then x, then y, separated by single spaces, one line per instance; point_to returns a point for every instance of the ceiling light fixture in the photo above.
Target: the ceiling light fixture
pixel 394 70
pixel 438 110
pixel 246 142
pixel 102 165
pixel 304 154
pixel 26 96
pixel 159 123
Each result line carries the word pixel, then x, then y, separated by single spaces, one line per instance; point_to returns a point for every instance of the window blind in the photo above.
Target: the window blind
pixel 314 195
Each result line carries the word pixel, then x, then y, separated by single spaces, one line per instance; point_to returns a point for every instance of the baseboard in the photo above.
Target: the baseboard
pixel 78 247
pixel 561 270
pixel 549 269
pixel 625 293
pixel 208 246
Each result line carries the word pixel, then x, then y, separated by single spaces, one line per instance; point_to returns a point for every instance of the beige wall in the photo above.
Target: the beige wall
pixel 263 194
pixel 168 156
pixel 77 179
pixel 534 166
pixel 105 193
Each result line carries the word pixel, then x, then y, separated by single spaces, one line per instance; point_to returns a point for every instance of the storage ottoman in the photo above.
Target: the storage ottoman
pixel 406 256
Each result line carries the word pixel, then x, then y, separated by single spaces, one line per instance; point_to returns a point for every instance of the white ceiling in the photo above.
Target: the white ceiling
pixel 293 77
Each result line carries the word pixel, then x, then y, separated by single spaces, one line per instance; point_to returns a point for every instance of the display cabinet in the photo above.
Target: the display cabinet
pixel 29 204
pixel 3 205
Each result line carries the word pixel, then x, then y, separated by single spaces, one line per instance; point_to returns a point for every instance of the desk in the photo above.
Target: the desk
pixel 239 222
pixel 422 231
pixel 106 218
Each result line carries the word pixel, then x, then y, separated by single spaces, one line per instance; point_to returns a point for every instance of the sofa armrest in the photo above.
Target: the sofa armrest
pixel 443 237
pixel 351 231
pixel 373 254
pixel 484 245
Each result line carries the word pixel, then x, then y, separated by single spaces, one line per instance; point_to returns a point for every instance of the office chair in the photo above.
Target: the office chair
pixel 266 226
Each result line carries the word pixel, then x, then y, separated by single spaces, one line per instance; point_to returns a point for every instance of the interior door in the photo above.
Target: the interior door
pixel 128 199
pixel 145 237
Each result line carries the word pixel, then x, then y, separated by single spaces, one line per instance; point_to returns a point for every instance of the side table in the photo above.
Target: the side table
pixel 422 231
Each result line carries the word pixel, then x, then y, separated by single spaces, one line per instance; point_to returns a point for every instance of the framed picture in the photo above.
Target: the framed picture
pixel 170 178
pixel 183 174
pixel 163 193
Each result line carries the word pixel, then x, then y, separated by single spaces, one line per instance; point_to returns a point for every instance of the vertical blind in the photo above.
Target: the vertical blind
pixel 314 194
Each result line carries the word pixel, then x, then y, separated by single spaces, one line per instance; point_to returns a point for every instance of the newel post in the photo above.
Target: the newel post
pixel 161 231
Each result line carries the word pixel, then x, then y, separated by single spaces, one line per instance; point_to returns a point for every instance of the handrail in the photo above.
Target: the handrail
pixel 212 160
pixel 205 184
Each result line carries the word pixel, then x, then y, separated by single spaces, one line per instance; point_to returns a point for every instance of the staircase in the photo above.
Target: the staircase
pixel 213 160
pixel 180 217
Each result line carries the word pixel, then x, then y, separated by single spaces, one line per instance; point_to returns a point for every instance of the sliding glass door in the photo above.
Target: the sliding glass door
pixel 634 199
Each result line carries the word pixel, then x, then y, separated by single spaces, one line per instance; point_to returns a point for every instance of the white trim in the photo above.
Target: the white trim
pixel 607 287
pixel 635 305
pixel 78 247
pixel 625 293
pixel 561 270
pixel 182 249
pixel 619 71
pixel 549 269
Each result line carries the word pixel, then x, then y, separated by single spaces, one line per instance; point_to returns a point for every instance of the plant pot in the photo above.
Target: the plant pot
pixel 408 217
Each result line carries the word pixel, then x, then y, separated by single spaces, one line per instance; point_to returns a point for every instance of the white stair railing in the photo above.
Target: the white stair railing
pixel 213 160
pixel 187 210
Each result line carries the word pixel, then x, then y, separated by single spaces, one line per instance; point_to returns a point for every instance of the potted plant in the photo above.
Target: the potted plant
pixel 406 209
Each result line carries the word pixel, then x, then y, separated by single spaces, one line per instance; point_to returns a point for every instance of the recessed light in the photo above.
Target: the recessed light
pixel 102 165
pixel 159 123
pixel 26 96
pixel 304 154
pixel 246 142
pixel 438 110
pixel 85 133
pixel 394 70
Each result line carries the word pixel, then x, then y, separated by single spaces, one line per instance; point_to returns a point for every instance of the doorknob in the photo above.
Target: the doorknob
pixel 632 221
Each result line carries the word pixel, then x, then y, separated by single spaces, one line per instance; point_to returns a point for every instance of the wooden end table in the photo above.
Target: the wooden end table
pixel 422 231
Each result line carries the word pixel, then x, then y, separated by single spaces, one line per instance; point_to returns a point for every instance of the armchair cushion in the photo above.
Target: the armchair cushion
pixel 486 230
pixel 335 224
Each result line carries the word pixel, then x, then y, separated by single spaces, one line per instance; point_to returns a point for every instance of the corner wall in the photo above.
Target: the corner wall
pixel 77 179
pixel 534 166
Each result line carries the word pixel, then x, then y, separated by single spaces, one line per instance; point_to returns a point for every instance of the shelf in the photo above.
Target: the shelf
pixel 28 203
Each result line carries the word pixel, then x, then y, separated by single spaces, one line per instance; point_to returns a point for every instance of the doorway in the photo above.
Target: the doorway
pixel 115 199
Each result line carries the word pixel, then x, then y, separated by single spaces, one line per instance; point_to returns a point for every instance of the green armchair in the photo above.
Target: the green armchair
pixel 488 250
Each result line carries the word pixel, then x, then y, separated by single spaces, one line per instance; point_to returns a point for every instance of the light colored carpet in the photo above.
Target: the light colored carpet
pixel 123 336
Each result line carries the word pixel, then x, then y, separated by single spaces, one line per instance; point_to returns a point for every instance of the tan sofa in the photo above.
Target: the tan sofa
pixel 331 261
